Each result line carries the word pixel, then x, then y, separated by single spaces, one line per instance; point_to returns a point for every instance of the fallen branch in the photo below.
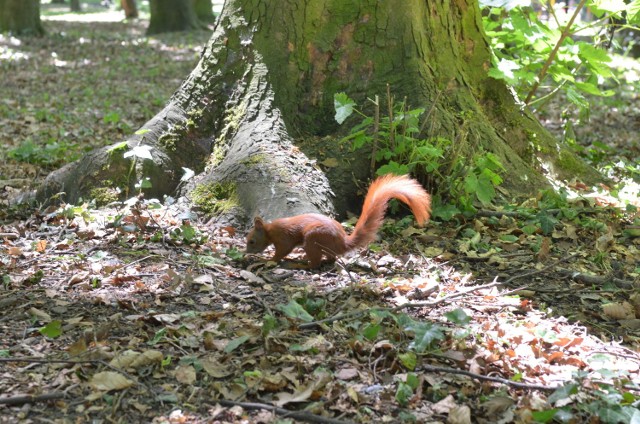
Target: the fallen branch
pixel 488 378
pixel 21 400
pixel 596 279
pixel 298 415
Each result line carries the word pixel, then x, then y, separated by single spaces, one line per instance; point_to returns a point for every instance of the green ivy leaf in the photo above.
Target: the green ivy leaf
pixel 370 332
pixel 458 316
pixel 269 323
pixel 403 393
pixel 544 416
pixel 413 381
pixel 409 360
pixel 343 106
pixel 188 233
pixel 425 334
pixel 562 393
pixel 52 330
pixel 471 183
pixel 235 343
pixel 547 222
pixel 445 212
pixel 485 192
pixel 393 168
pixel 295 311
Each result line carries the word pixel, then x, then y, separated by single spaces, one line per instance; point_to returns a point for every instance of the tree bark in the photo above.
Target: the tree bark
pixel 130 8
pixel 171 15
pixel 75 6
pixel 20 17
pixel 257 111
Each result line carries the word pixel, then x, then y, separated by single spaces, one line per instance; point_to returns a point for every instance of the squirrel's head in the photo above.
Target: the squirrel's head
pixel 257 239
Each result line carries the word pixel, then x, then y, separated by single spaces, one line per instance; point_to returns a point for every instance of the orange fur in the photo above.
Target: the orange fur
pixel 320 235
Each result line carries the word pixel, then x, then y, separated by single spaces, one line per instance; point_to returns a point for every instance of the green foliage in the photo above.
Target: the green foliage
pixel 53 153
pixel 529 53
pixel 215 197
pixel 186 234
pixel 293 310
pixel 406 388
pixel 611 404
pixel 397 144
pixel 52 330
pixel 235 343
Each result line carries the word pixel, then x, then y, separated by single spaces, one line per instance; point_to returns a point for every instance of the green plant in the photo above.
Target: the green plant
pixel 397 144
pixel 530 53
pixel 53 153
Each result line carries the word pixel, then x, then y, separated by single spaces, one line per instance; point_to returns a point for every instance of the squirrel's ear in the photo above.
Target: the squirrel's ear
pixel 258 222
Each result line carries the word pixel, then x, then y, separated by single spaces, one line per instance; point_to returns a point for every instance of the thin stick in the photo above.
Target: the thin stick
pixel 21 400
pixel 488 378
pixel 298 415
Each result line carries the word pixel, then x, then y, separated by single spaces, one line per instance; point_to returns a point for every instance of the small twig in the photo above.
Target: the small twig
pixel 488 378
pixel 528 215
pixel 298 415
pixel 552 56
pixel 540 271
pixel 21 400
pixel 139 260
pixel 376 135
pixel 596 279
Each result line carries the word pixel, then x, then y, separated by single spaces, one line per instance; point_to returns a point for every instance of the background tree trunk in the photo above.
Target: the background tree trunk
pixel 171 15
pixel 20 17
pixel 130 8
pixel 75 6
pixel 258 108
pixel 204 11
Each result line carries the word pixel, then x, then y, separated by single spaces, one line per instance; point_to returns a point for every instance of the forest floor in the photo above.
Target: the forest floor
pixel 134 314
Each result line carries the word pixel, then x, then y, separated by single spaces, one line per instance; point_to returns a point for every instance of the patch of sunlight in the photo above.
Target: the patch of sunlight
pixel 106 16
pixel 629 192
pixel 8 49
pixel 628 66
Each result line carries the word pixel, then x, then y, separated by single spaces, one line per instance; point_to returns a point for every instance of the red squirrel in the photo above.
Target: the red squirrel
pixel 320 235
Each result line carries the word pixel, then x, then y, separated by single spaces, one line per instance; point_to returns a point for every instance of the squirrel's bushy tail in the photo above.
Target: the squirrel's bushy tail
pixel 382 190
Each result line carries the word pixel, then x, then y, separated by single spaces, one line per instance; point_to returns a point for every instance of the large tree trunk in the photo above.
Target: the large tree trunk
pixel 171 15
pixel 257 111
pixel 20 17
pixel 204 10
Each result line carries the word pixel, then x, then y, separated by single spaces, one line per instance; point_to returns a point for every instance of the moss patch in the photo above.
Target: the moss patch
pixel 215 197
pixel 104 195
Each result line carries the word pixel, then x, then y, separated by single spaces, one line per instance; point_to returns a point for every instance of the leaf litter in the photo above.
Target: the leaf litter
pixel 142 323
pixel 483 321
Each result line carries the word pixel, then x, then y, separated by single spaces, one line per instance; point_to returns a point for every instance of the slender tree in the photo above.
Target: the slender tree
pixel 130 8
pixel 204 10
pixel 171 15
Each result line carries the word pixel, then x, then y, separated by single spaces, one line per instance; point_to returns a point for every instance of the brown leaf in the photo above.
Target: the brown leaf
pixel 109 380
pixel 41 246
pixel 185 374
